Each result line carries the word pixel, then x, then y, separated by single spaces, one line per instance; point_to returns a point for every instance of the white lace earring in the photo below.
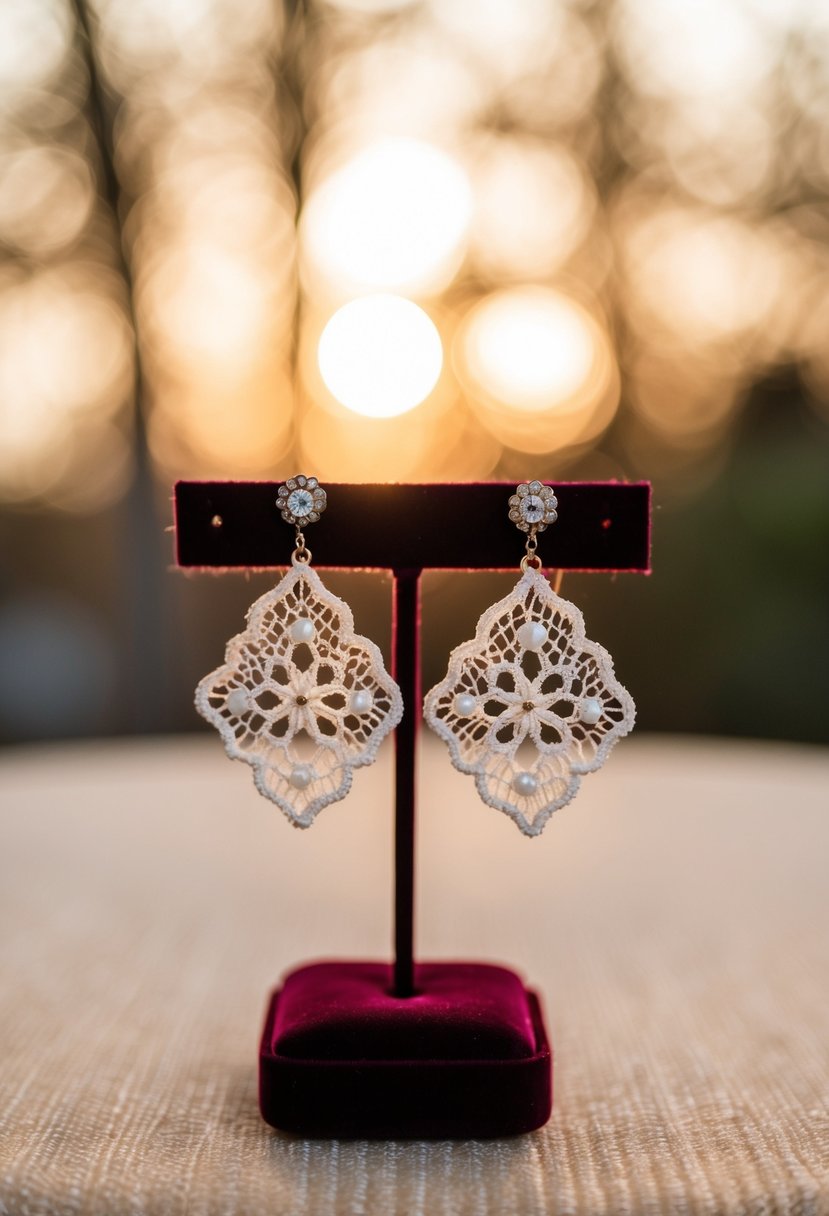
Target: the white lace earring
pixel 301 698
pixel 530 704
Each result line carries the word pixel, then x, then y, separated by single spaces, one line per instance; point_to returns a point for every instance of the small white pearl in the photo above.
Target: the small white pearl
pixel 361 701
pixel 591 711
pixel 238 701
pixel 465 704
pixel 302 630
pixel 301 777
pixel 532 636
pixel 524 784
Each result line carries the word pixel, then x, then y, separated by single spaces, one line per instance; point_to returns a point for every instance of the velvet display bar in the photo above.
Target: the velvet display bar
pixel 409 1049
pixel 603 526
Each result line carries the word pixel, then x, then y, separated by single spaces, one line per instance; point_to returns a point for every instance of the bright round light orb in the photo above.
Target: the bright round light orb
pixel 394 218
pixel 380 355
pixel 530 348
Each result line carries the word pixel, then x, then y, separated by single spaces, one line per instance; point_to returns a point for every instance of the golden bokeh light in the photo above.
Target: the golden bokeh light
pixel 235 201
pixel 216 243
pixel 729 274
pixel 542 190
pixel 700 151
pixel 507 39
pixel 34 40
pixel 439 440
pixel 380 355
pixel 531 349
pixel 688 411
pixel 400 83
pixel 235 424
pixel 46 197
pixel 64 370
pixel 394 217
pixel 347 447
pixel 372 7
pixel 539 367
pixel 206 33
pixel 496 186
pixel 195 140
pixel 711 48
pixel 206 303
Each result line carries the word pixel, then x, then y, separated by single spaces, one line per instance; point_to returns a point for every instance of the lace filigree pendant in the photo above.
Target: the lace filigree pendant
pixel 530 704
pixel 301 697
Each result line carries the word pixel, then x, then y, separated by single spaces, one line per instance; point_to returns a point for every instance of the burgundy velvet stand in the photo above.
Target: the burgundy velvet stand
pixel 441 1049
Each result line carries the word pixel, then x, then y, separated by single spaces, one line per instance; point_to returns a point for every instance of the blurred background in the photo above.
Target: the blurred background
pixel 414 240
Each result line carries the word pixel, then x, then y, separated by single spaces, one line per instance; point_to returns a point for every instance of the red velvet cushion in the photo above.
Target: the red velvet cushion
pixel 467 1056
pixel 463 1011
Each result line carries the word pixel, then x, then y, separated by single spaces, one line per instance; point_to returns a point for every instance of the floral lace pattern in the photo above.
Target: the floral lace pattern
pixel 301 698
pixel 530 704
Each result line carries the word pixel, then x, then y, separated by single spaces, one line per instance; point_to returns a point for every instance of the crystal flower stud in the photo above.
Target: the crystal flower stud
pixel 301 500
pixel 533 506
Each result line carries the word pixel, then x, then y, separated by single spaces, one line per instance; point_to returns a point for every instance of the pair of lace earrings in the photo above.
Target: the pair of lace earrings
pixel 527 706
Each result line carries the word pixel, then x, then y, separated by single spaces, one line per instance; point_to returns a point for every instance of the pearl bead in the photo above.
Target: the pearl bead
pixel 361 701
pixel 302 630
pixel 238 701
pixel 524 784
pixel 532 635
pixel 465 704
pixel 301 777
pixel 591 711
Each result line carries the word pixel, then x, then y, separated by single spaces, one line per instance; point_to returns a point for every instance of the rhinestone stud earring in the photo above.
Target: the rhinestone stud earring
pixel 301 697
pixel 530 704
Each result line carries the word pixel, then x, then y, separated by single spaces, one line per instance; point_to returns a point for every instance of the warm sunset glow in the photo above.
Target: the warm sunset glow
pixel 492 178
pixel 380 355
pixel 508 38
pixel 539 368
pixel 34 38
pixel 729 274
pixel 46 196
pixel 372 6
pixel 393 218
pixel 530 348
pixel 230 426
pixel 710 48
pixel 64 368
pixel 542 189
pixel 209 301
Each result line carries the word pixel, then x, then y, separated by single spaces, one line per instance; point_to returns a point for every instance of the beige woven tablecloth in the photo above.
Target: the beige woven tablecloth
pixel 674 917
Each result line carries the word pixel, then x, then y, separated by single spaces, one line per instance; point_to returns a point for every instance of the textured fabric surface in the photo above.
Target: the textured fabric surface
pixel 674 918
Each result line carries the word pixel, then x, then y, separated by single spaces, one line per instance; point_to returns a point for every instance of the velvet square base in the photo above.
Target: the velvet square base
pixel 467 1056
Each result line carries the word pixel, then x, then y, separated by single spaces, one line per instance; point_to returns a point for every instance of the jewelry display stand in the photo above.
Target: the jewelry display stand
pixel 406 1049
